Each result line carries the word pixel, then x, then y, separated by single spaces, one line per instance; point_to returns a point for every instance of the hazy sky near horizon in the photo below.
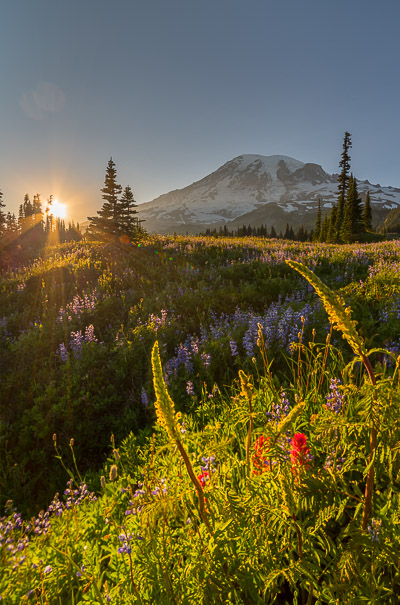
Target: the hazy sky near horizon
pixel 172 89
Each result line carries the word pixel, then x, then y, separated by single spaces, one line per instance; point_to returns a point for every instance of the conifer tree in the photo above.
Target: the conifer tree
pixel 109 219
pixel 343 181
pixel 11 223
pixel 367 214
pixel 324 229
pixel 331 237
pixel 25 218
pixel 317 230
pixel 272 232
pixel 352 225
pixel 37 212
pixel 128 223
pixel 50 224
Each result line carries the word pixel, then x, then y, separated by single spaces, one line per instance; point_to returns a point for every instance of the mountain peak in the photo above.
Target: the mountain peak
pixel 271 189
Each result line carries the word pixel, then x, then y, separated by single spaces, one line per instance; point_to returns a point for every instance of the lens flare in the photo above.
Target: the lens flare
pixel 58 210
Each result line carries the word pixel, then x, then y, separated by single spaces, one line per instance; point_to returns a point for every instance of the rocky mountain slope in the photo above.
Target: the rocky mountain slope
pixel 255 189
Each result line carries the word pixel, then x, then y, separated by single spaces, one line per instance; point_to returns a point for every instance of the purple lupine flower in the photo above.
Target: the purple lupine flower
pixel 76 343
pixel 208 464
pixel 144 398
pixel 89 334
pixel 79 573
pixel 279 410
pixel 62 352
pixel 374 529
pixel 125 549
pixel 41 523
pixel 189 387
pixel 77 495
pixel 335 399
pixel 233 347
pixel 206 359
pixel 55 506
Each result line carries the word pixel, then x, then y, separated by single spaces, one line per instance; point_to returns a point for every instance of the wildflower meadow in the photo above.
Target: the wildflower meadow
pixel 201 420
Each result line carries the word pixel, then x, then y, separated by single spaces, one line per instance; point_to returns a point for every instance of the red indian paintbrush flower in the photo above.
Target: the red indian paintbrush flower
pixel 261 447
pixel 203 478
pixel 299 451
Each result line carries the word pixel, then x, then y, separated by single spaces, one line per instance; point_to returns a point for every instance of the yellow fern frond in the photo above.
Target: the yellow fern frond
pixel 339 315
pixel 165 408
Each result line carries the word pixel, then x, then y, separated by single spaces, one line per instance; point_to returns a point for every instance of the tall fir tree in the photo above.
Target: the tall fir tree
pixel 50 222
pixel 324 229
pixel 352 225
pixel 128 221
pixel 109 220
pixel 11 224
pixel 331 237
pixel 37 212
pixel 367 214
pixel 343 181
pixel 25 217
pixel 318 222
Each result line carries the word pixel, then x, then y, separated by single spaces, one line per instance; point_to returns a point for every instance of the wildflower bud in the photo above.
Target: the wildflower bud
pixel 116 455
pixel 54 437
pixel 103 482
pixel 113 472
pixel 71 442
pixel 246 385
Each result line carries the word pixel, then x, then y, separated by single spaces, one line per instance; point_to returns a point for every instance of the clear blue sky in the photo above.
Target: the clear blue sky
pixel 172 89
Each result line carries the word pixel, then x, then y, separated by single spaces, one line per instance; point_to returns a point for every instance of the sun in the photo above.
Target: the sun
pixel 58 210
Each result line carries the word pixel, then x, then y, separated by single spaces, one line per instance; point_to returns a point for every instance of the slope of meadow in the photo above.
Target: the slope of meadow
pixel 276 417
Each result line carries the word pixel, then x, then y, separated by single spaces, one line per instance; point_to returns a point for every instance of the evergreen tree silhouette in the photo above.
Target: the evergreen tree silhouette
pixel 318 222
pixel 367 214
pixel 109 220
pixel 343 181
pixel 352 226
pixel 128 222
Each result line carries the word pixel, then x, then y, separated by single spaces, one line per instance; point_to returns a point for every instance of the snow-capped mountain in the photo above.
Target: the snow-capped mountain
pixel 255 189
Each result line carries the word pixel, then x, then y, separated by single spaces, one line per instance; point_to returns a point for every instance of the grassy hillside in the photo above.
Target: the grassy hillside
pixel 275 417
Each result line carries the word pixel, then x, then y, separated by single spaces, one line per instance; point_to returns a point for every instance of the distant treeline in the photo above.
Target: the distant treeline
pixel 301 234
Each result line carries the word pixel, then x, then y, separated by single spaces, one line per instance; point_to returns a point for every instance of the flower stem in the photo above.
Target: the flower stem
pixel 369 487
